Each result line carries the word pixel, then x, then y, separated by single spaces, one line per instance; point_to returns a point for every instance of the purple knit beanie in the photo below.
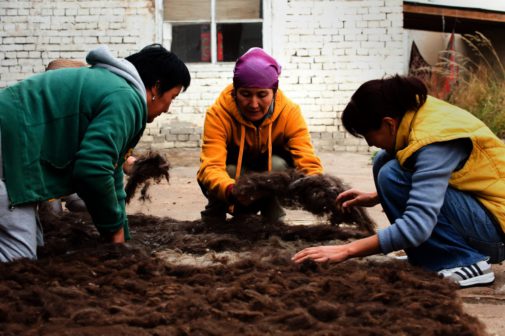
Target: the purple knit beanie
pixel 256 69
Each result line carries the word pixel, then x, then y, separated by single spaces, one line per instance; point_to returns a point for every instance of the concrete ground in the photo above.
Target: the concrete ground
pixel 182 199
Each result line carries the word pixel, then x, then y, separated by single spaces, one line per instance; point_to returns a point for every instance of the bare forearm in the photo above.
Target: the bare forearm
pixel 354 197
pixel 364 247
pixel 338 253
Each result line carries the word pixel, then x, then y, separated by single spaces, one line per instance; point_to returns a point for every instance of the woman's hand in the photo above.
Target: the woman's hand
pixel 354 197
pixel 116 237
pixel 243 199
pixel 128 164
pixel 335 253
pixel 338 253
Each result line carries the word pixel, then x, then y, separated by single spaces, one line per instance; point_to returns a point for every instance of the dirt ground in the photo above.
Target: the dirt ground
pixel 181 199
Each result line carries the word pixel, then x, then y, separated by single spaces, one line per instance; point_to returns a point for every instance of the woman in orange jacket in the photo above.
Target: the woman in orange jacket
pixel 252 126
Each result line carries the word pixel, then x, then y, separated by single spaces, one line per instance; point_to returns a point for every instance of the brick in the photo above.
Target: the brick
pixel 161 146
pixel 170 137
pixel 147 138
pixel 70 11
pixel 158 139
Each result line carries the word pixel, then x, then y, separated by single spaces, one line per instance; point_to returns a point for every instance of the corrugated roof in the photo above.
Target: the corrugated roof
pixel 488 5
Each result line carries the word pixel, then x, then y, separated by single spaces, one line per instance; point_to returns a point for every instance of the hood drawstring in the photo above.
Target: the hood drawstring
pixel 240 152
pixel 242 137
pixel 270 113
pixel 270 147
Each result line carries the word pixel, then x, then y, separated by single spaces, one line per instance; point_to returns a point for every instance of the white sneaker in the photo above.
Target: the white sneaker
pixel 476 274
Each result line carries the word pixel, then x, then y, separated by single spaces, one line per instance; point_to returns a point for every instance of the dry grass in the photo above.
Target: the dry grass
pixel 479 86
pixel 484 96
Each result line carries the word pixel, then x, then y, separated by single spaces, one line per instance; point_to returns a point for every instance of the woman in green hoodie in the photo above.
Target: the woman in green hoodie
pixel 70 130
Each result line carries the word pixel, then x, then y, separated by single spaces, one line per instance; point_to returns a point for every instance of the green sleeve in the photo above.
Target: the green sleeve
pixel 98 175
pixel 121 196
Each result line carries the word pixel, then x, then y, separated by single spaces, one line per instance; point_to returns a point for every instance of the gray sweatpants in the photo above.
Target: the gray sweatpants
pixel 20 231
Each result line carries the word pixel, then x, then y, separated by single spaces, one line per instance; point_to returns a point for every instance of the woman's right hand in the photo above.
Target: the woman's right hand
pixel 354 197
pixel 114 237
pixel 128 164
pixel 245 200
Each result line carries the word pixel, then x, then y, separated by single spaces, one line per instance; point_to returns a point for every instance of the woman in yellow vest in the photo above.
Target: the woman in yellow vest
pixel 440 178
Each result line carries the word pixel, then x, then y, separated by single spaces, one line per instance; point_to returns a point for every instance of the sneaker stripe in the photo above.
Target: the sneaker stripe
pixel 468 272
pixel 472 269
pixel 477 268
pixel 461 275
pixel 473 275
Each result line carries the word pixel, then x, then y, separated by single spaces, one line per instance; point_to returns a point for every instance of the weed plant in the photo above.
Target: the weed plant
pixel 477 84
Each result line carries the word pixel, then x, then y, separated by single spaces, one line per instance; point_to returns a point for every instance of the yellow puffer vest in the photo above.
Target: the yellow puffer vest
pixel 483 175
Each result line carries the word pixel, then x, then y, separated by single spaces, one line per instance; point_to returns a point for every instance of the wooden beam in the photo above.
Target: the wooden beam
pixel 469 14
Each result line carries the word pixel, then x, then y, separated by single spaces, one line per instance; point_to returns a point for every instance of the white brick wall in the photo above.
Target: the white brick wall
pixel 327 49
pixel 343 43
pixel 35 32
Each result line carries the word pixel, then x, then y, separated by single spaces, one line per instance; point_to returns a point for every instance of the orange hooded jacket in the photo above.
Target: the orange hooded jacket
pixel 226 130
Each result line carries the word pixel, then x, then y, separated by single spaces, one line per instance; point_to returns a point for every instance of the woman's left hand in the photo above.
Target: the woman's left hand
pixel 335 253
pixel 338 253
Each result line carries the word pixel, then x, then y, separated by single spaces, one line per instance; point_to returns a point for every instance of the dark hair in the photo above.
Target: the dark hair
pixel 379 98
pixel 156 64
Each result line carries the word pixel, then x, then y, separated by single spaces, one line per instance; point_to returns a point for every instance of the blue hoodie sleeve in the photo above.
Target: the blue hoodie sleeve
pixel 433 166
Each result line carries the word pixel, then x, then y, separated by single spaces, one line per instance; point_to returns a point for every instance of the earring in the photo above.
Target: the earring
pixel 153 98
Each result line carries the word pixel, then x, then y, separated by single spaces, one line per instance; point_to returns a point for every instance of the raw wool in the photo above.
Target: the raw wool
pixel 65 232
pixel 245 232
pixel 74 231
pixel 147 167
pixel 268 184
pixel 315 193
pixel 122 289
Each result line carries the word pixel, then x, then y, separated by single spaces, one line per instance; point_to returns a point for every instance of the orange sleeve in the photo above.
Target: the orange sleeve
pixel 212 173
pixel 300 144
